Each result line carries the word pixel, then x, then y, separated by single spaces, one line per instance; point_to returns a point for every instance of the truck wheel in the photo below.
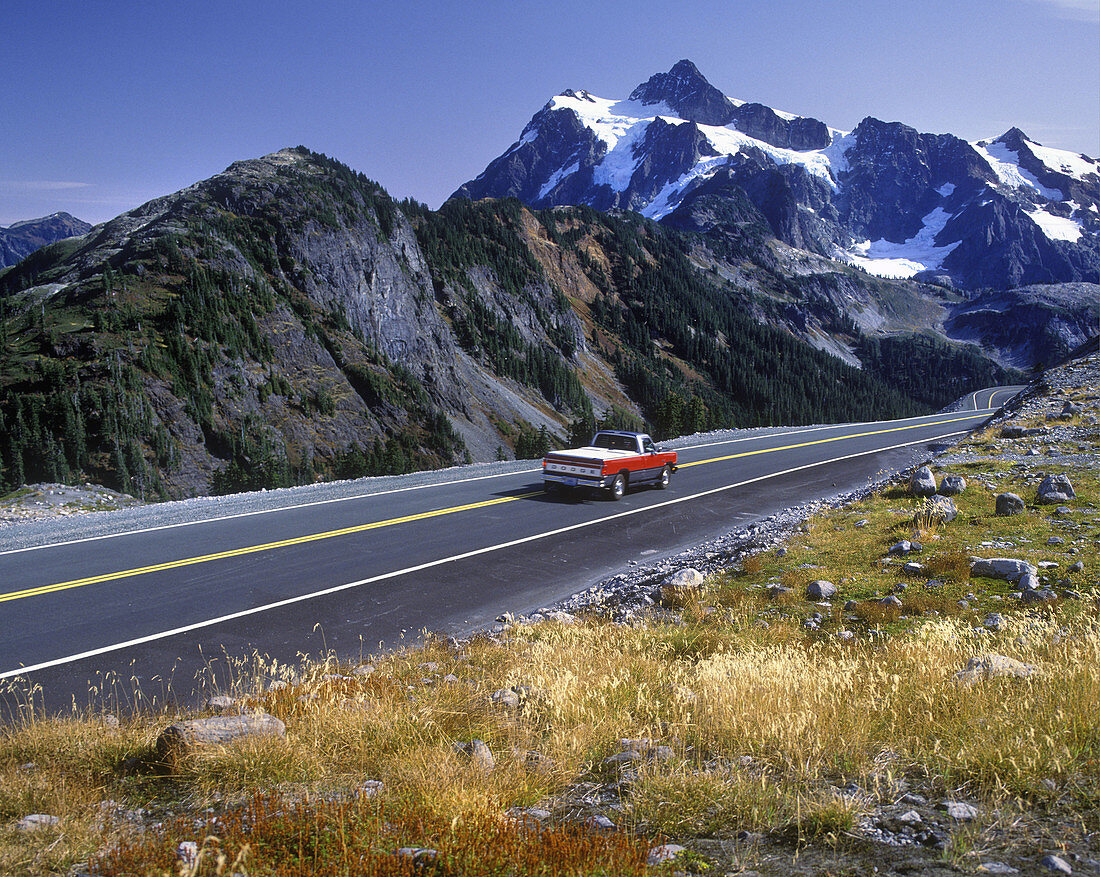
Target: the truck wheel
pixel 664 478
pixel 618 487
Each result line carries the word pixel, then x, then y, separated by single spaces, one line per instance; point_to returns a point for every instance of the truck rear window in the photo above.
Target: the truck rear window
pixel 614 442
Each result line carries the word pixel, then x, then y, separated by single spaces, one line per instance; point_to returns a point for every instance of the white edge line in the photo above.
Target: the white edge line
pixel 320 502
pixel 7 674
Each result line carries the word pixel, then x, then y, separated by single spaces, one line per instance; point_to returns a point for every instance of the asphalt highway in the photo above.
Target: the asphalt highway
pixel 91 622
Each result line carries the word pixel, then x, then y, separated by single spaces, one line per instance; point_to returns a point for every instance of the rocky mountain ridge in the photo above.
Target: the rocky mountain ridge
pixel 898 204
pixel 20 239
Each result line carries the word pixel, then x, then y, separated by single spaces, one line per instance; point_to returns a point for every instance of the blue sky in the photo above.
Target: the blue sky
pixel 107 104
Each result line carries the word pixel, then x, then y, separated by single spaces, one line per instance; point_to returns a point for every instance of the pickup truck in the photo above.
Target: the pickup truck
pixel 613 461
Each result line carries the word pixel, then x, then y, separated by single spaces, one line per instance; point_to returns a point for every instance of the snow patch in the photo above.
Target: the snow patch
pixel 1057 228
pixel 920 253
pixel 1006 165
pixel 1064 162
pixel 556 177
pixel 946 190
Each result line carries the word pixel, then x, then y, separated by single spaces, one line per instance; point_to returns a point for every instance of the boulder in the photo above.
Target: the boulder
pixel 938 510
pixel 1009 504
pixel 952 485
pixel 820 590
pixel 1055 489
pixel 479 754
pixel 681 584
pixel 1071 409
pixel 986 666
pixel 1006 568
pixel 922 482
pixel 902 547
pixel 188 737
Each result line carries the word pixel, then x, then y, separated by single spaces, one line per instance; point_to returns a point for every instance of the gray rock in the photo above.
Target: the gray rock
pixel 479 754
pixel 995 622
pixel 910 817
pixel 922 482
pixel 775 591
pixel 1071 409
pixel 820 590
pixel 890 601
pixel 1009 504
pixel 1028 582
pixel 1005 568
pixel 599 823
pixel 902 547
pixel 1078 567
pixel 1056 540
pixel 913 568
pixel 421 857
pixel 937 509
pixel 188 853
pixel 688 577
pixel 1055 865
pixel 960 811
pixel 952 485
pixel 996 868
pixel 1044 595
pixel 1063 510
pixel 663 853
pixel 187 737
pixel 36 822
pixel 220 703
pixel 1055 490
pixel 986 666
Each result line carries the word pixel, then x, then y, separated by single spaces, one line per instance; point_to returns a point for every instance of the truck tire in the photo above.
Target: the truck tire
pixel 664 478
pixel 618 487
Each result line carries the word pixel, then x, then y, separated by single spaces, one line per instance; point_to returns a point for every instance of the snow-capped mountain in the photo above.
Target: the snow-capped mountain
pixel 996 213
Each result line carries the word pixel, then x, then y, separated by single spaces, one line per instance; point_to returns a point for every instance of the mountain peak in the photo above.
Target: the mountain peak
pixel 686 91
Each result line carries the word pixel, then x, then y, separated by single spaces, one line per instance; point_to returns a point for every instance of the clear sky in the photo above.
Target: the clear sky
pixel 106 104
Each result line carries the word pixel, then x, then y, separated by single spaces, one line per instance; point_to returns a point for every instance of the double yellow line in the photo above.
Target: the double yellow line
pixel 407 519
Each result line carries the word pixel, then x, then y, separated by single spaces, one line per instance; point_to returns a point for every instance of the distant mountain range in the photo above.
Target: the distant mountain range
pixel 998 213
pixel 20 239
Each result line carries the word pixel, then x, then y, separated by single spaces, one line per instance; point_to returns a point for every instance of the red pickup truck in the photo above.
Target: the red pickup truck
pixel 612 462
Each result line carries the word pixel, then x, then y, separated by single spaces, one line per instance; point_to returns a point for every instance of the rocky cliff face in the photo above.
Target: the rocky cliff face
pixel 892 201
pixel 20 239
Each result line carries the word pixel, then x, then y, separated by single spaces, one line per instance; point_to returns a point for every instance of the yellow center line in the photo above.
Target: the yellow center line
pixel 836 438
pixel 362 528
pixel 255 549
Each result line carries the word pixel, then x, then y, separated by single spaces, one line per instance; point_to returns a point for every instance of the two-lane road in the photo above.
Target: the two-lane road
pixel 359 573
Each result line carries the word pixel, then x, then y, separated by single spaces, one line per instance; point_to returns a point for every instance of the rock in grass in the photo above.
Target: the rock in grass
pixel 1054 490
pixel 986 666
pixel 185 738
pixel 1055 865
pixel 960 811
pixel 996 868
pixel 922 482
pixel 820 590
pixel 479 754
pixel 936 510
pixel 663 853
pixel 1009 504
pixel 36 821
pixel 1007 568
pixel 952 485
